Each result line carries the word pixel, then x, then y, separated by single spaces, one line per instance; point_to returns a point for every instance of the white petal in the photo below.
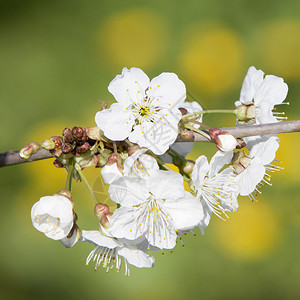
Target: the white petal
pixel 186 212
pixel 159 135
pixel 265 150
pixel 130 86
pixel 166 184
pixel 128 191
pixel 272 91
pixel 218 161
pixel 56 206
pixel 95 237
pixel 123 223
pixel 116 122
pixel 69 242
pixel 136 257
pixel 206 217
pixel 169 89
pixel 250 178
pixel 110 173
pixel 200 170
pixel 251 83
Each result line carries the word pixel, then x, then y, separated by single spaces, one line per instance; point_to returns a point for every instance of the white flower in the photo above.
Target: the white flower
pixel 111 173
pixel 184 148
pixel 53 215
pixel 216 191
pixel 109 252
pixel 262 154
pixel 264 93
pixel 147 112
pixel 154 208
pixel 138 164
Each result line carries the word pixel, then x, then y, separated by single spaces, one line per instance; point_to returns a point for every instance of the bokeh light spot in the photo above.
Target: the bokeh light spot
pixel 251 232
pixel 212 58
pixel 278 45
pixel 136 37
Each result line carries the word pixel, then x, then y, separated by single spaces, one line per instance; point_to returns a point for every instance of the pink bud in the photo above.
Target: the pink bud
pixel 223 140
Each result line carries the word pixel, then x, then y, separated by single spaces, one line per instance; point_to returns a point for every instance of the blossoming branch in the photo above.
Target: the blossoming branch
pixel 151 126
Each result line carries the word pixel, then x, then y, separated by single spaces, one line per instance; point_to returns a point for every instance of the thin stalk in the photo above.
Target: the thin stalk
pixel 210 111
pixel 68 185
pixel 88 186
pixel 197 130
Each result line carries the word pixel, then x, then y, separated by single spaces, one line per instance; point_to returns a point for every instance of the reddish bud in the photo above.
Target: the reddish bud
pixel 83 148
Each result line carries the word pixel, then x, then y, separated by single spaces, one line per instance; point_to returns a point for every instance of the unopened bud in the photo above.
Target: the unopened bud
pixel 57 140
pixel 83 148
pixel 79 134
pixel 93 133
pixel 133 149
pixel 240 144
pixel 67 148
pixel 58 164
pixel 188 167
pixel 102 213
pixel 29 150
pixel 183 111
pixel 246 113
pixel 223 140
pixel 240 162
pixel 114 158
pixel 67 135
pixel 48 144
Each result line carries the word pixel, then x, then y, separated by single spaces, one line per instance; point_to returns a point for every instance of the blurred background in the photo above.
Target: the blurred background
pixel 57 59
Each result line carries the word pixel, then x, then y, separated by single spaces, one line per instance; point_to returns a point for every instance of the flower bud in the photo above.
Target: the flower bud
pixel 93 133
pixel 67 135
pixel 133 149
pixel 67 148
pixel 188 167
pixel 29 150
pixel 79 134
pixel 223 140
pixel 183 111
pixel 240 162
pixel 246 113
pixel 102 213
pixel 114 158
pixel 240 144
pixel 103 157
pixel 48 144
pixel 83 148
pixel 58 164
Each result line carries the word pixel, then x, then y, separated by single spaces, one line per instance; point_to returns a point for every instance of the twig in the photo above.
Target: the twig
pixel 13 158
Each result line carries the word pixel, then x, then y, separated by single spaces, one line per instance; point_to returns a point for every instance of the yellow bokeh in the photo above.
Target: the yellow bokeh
pixel 251 233
pixel 134 38
pixel 288 155
pixel 212 57
pixel 278 45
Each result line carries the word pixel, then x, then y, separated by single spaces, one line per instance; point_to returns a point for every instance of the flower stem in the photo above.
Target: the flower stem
pixel 197 130
pixel 88 186
pixel 68 186
pixel 210 111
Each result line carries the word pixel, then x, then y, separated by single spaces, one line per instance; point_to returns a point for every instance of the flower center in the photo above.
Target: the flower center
pixel 144 111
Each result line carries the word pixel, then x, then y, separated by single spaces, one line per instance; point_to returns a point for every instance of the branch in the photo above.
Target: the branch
pixel 13 158
pixel 251 130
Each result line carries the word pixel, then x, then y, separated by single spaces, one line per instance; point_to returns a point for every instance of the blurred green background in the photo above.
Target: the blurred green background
pixel 57 59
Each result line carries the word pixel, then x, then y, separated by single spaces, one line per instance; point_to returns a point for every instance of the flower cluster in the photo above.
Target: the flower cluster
pixel 134 143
